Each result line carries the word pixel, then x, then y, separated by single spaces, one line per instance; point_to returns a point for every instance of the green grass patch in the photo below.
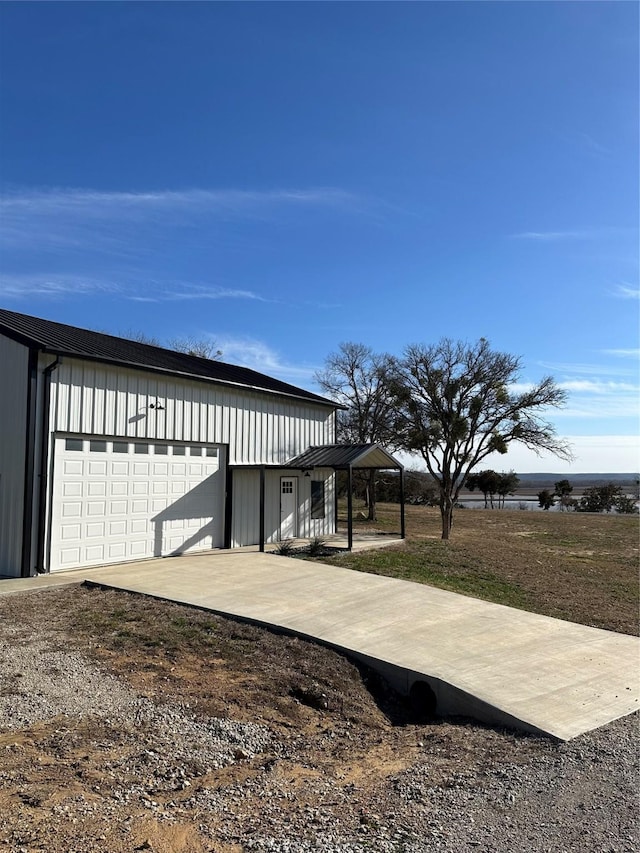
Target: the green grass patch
pixel 438 564
pixel 125 630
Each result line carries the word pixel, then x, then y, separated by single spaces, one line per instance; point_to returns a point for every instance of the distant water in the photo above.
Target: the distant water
pixel 525 504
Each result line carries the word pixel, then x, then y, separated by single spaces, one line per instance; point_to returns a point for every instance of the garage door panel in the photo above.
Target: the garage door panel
pixel 72 510
pixel 155 505
pixel 70 531
pixel 69 557
pixel 73 467
pixel 97 469
pixel 95 554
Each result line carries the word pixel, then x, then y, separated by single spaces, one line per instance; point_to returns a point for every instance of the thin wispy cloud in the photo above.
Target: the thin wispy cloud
pixel 632 352
pixel 116 241
pixel 588 386
pixel 551 236
pixel 569 234
pixel 188 292
pixel 570 369
pixel 592 144
pixel 253 353
pixel 95 203
pixel 12 286
pixel 69 217
pixel 594 391
pixel 627 291
pixel 136 288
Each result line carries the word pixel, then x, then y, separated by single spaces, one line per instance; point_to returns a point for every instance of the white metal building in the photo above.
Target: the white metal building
pixel 113 450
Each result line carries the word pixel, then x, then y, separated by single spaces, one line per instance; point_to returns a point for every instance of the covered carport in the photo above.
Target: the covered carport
pixel 350 458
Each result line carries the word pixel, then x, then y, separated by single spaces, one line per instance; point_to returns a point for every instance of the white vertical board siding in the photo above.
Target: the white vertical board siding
pixel 246 505
pixel 245 508
pixel 14 376
pixel 259 428
pixel 308 527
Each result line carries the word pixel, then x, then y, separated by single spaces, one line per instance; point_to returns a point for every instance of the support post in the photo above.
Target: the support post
pixel 402 521
pixel 262 508
pixel 350 508
pixel 228 504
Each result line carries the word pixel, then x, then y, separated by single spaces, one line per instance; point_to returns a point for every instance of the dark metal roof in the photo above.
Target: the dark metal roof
pixel 60 339
pixel 345 456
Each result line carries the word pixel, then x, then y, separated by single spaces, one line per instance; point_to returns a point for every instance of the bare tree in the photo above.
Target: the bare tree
pixel 359 379
pixel 201 347
pixel 457 405
pixel 141 337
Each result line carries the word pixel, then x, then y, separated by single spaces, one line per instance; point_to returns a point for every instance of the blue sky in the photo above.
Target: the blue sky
pixel 283 177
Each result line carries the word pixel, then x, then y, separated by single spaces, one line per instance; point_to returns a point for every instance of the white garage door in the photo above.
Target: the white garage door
pixel 127 500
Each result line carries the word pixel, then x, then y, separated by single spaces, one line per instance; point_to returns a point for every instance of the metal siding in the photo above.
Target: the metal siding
pixel 245 508
pixel 259 428
pixel 14 375
pixel 308 528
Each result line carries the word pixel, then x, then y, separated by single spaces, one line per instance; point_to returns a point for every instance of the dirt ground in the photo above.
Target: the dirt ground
pixel 313 753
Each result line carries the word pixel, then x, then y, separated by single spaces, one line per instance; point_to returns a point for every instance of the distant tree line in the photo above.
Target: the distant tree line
pixel 603 498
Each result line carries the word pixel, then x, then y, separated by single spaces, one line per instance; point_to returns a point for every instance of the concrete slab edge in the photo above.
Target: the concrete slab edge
pixel 451 701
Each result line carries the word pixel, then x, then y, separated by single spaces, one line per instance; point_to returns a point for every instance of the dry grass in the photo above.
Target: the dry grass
pixel 573 566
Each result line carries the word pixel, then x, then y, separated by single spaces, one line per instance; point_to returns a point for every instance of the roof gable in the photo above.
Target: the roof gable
pixel 60 339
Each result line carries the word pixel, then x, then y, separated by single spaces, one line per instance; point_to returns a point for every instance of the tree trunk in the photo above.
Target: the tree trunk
pixel 372 515
pixel 446 514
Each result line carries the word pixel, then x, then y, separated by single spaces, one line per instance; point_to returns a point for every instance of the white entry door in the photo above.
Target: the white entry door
pixel 288 507
pixel 118 500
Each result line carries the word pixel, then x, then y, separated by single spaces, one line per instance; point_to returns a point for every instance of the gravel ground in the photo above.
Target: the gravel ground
pixel 90 762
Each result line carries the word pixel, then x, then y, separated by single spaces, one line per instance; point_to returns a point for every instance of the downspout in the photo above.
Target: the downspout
pixel 29 462
pixel 42 474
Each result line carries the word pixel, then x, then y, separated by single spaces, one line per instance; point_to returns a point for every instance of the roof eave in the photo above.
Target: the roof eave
pixel 195 377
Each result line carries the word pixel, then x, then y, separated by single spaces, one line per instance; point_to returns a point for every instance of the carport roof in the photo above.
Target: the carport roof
pixel 343 456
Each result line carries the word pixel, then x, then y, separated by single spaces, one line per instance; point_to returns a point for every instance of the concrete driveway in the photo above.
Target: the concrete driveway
pixel 494 663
